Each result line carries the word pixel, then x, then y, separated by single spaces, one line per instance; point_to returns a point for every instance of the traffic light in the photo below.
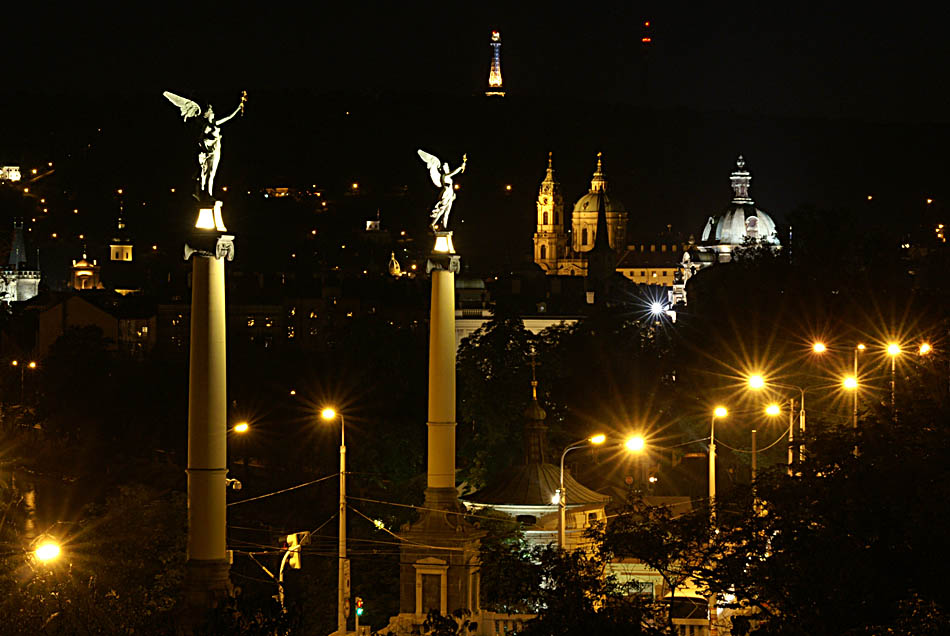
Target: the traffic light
pixel 359 606
pixel 294 541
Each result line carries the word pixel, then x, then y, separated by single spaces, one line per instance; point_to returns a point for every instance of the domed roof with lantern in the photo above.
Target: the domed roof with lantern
pixel 590 202
pixel 741 220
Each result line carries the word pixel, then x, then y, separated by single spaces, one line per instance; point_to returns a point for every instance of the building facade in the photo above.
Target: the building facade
pixel 553 252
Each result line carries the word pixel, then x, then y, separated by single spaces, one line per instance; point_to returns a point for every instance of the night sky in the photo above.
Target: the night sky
pixel 827 104
pixel 794 59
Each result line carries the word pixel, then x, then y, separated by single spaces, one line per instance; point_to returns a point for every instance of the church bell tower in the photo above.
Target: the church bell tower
pixel 550 241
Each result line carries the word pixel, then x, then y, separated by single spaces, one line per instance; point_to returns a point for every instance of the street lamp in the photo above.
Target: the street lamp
pixel 23 367
pixel 819 347
pixel 241 427
pixel 719 411
pixel 893 350
pixel 47 550
pixel 925 349
pixel 595 440
pixel 757 382
pixel 343 567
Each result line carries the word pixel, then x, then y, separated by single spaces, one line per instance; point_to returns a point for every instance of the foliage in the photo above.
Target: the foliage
pixel 120 571
pixel 807 553
pixel 493 389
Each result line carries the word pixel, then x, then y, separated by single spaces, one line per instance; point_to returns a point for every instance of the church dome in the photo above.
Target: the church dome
pixel 590 202
pixel 742 219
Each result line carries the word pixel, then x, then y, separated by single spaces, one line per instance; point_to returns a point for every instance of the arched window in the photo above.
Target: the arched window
pixel 544 252
pixel 544 218
pixel 584 236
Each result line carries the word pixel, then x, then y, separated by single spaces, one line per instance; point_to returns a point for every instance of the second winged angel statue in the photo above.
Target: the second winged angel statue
pixel 209 143
pixel 441 176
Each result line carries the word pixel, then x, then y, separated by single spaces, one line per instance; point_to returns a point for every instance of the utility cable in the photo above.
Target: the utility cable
pixel 280 492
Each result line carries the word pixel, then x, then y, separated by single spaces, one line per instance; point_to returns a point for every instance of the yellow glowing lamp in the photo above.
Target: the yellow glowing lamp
pixel 635 444
pixel 756 381
pixel 850 382
pixel 47 551
pixel 328 413
pixel 443 243
pixel 720 411
pixel 893 349
pixel 210 218
pixel 773 409
pixel 598 439
pixel 241 427
pixel 925 348
pixel 819 347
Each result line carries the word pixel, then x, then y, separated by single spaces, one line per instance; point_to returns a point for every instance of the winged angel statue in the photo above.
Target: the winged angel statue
pixel 209 143
pixel 442 178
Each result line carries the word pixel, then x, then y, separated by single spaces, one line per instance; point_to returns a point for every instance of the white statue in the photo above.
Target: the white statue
pixel 209 144
pixel 442 178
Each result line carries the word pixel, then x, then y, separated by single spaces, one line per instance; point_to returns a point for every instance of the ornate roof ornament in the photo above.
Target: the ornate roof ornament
pixel 598 183
pixel 741 180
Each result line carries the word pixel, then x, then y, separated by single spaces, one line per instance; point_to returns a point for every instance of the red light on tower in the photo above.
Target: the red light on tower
pixel 646 39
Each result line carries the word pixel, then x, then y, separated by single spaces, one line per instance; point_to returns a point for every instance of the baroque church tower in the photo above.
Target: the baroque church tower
pixel 550 241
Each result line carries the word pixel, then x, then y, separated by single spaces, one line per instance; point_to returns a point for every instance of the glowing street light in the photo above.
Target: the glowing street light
pixel 23 367
pixel 718 412
pixel 850 382
pixel 893 350
pixel 561 496
pixel 48 550
pixel 773 409
pixel 819 347
pixel 756 382
pixel 329 413
pixel 241 427
pixel 635 444
pixel 925 348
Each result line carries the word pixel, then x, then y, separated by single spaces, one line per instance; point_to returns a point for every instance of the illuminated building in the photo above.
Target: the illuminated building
pixel 495 88
pixel 739 225
pixel 551 250
pixel 84 275
pixel 9 173
pixel 17 281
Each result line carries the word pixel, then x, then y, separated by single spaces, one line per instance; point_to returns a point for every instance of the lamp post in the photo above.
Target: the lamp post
pixel 595 440
pixel 854 404
pixel 16 363
pixel 719 411
pixel 893 350
pixel 796 444
pixel 343 565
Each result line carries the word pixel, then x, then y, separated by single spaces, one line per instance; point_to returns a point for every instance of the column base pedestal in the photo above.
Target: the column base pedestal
pixel 206 584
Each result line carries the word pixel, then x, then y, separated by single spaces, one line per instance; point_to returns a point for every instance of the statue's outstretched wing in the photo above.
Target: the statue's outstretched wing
pixel 433 164
pixel 188 107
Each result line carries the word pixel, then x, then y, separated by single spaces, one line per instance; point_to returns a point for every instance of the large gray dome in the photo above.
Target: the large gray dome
pixel 741 220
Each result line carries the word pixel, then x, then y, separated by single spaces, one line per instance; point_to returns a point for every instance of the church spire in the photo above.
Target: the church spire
pixel 598 183
pixel 535 428
pixel 741 180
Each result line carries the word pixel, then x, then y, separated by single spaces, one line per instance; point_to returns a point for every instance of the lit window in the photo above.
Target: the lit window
pixel 290 333
pixel 250 321
pixel 268 322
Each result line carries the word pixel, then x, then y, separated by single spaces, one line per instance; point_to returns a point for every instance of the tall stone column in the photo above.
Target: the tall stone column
pixel 440 490
pixel 439 557
pixel 207 569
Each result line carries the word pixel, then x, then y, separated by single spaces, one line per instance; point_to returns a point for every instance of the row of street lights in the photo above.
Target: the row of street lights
pixel 796 444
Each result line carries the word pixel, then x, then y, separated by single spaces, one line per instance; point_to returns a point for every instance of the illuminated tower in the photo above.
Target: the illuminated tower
pixel 494 76
pixel 550 240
